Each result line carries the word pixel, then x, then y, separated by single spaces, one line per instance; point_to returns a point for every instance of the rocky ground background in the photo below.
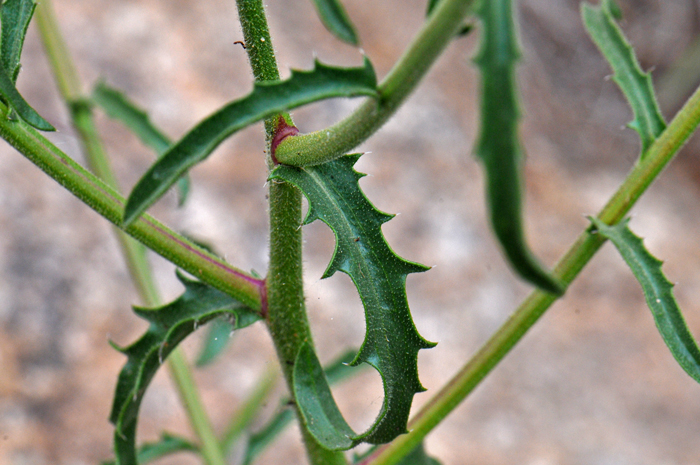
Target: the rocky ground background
pixel 591 384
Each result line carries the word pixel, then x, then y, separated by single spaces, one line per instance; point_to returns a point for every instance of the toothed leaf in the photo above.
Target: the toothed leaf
pixel 16 15
pixel 658 292
pixel 391 342
pixel 266 100
pixel 169 325
pixel 634 83
pixel 336 20
pixel 498 146
pixel 117 106
pixel 166 445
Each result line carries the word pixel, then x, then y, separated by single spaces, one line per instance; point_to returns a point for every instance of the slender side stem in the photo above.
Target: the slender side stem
pixel 286 311
pixel 536 304
pixel 330 143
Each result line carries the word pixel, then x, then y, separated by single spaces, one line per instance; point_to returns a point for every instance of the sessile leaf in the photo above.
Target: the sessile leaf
pixel 635 84
pixel 658 292
pixel 169 325
pixel 267 99
pixel 391 341
pixel 336 20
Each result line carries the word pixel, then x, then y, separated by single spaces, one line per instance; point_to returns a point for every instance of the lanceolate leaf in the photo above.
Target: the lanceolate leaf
pixel 391 342
pixel 658 292
pixel 635 84
pixel 498 145
pixel 166 445
pixel 169 325
pixel 336 20
pixel 16 15
pixel 266 100
pixel 117 106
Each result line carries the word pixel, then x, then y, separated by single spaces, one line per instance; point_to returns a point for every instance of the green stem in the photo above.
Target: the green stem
pixel 534 306
pixel 286 311
pixel 330 143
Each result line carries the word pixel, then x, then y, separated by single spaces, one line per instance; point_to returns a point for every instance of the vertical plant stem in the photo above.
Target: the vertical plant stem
pixel 134 253
pixel 286 311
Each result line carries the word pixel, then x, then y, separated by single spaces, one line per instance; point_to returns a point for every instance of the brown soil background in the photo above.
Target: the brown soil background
pixel 591 384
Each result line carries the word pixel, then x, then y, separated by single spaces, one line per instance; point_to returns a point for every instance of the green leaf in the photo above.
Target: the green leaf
pixel 16 15
pixel 117 106
pixel 635 84
pixel 466 28
pixel 167 444
pixel 498 146
pixel 266 100
pixel 10 95
pixel 391 342
pixel 336 20
pixel 216 340
pixel 658 292
pixel 169 325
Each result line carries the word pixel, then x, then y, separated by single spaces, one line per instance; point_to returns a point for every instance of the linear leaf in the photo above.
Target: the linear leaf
pixel 266 100
pixel 169 325
pixel 498 146
pixel 117 106
pixel 634 83
pixel 16 15
pixel 391 342
pixel 11 96
pixel 167 444
pixel 658 292
pixel 336 20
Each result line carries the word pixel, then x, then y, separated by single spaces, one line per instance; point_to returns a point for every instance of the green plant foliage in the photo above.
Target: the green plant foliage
pixel 634 83
pixel 498 146
pixel 417 456
pixel 658 292
pixel 169 325
pixel 391 342
pixel 119 107
pixel 167 444
pixel 336 20
pixel 216 340
pixel 267 99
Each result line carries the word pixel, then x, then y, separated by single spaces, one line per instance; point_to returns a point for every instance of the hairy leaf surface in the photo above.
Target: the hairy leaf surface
pixel 169 325
pixel 658 292
pixel 391 342
pixel 498 146
pixel 16 15
pixel 336 20
pixel 119 107
pixel 167 444
pixel 266 100
pixel 634 83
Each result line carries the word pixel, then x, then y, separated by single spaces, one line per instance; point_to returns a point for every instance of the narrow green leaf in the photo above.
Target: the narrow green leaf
pixel 658 292
pixel 634 83
pixel 216 340
pixel 167 444
pixel 266 100
pixel 169 325
pixel 119 107
pixel 336 20
pixel 498 146
pixel 391 342
pixel 10 95
pixel 16 15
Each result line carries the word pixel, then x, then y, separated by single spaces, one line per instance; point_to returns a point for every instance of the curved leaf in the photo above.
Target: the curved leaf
pixel 391 342
pixel 658 292
pixel 15 15
pixel 9 94
pixel 336 20
pixel 266 100
pixel 634 83
pixel 498 146
pixel 169 325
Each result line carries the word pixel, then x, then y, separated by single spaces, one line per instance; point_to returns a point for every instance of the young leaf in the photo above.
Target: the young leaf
pixel 118 107
pixel 658 292
pixel 166 445
pixel 15 15
pixel 266 100
pixel 169 325
pixel 498 146
pixel 336 20
pixel 391 342
pixel 635 84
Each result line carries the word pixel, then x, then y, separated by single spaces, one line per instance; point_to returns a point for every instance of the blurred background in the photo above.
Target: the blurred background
pixel 591 384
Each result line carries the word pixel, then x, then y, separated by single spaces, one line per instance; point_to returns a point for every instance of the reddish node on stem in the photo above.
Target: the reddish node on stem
pixel 263 299
pixel 282 131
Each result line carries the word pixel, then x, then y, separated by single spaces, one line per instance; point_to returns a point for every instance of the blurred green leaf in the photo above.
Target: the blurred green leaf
pixel 15 15
pixel 336 20
pixel 167 444
pixel 219 334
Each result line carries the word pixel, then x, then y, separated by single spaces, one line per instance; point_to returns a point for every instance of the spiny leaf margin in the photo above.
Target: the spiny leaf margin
pixel 635 84
pixel 169 325
pixel 391 342
pixel 267 99
pixel 498 146
pixel 658 292
pixel 336 20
